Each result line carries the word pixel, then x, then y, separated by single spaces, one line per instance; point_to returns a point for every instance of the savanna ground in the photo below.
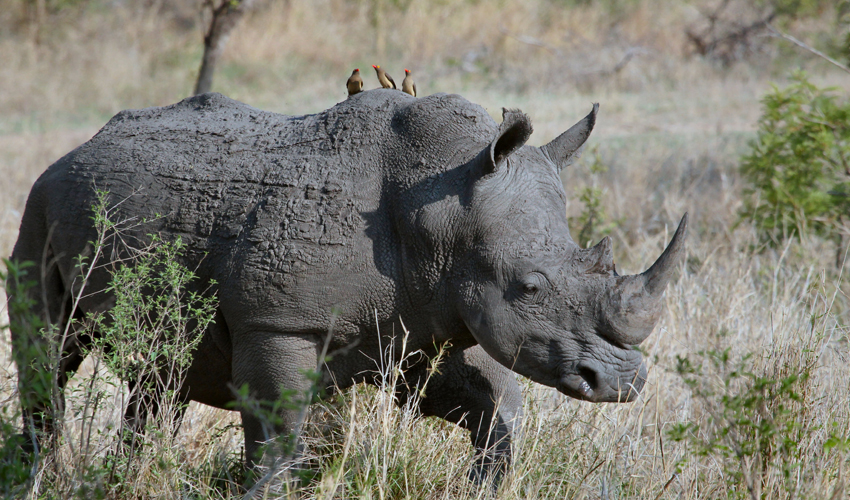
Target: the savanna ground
pixel 673 124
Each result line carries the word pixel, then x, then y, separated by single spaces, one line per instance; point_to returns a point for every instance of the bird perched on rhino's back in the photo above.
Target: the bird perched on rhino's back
pixel 386 80
pixel 354 83
pixel 408 85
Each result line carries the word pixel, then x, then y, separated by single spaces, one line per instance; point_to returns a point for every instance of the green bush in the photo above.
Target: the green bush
pixel 799 166
pixel 147 337
pixel 754 421
pixel 754 415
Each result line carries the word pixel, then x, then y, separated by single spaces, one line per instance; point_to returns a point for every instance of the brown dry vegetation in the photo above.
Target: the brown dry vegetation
pixel 671 129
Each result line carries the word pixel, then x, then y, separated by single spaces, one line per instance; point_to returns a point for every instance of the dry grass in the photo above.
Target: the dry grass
pixel 670 131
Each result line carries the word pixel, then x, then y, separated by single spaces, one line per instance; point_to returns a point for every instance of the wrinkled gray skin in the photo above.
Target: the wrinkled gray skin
pixel 384 206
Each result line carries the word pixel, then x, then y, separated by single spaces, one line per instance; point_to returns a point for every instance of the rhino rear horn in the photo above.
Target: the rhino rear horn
pixel 601 256
pixel 513 134
pixel 633 307
pixel 566 148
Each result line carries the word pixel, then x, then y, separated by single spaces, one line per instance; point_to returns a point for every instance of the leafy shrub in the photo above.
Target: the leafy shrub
pixel 146 338
pixel 757 428
pixel 799 167
pixel 151 329
pixel 755 421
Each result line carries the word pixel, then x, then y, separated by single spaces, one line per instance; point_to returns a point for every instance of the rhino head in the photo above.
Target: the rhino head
pixel 536 301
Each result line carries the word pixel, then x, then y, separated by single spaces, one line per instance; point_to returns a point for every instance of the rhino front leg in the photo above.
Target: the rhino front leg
pixel 276 368
pixel 477 393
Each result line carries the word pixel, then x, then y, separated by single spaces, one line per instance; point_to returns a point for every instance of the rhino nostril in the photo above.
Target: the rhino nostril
pixel 590 377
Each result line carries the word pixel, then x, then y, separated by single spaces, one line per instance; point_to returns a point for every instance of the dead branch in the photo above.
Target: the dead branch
pixel 724 38
pixel 628 56
pixel 625 60
pixel 776 33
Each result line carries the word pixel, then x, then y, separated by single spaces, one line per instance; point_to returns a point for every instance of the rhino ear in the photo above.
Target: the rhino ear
pixel 566 148
pixel 513 133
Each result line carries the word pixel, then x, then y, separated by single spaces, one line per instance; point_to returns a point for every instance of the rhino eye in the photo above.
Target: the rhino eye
pixel 532 283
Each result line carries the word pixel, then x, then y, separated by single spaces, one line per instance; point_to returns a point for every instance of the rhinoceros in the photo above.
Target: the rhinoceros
pixel 381 209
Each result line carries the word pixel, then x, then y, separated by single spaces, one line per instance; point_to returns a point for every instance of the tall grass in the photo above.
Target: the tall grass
pixel 670 132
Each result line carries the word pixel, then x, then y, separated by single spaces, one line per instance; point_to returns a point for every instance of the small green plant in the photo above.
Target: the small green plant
pixel 754 422
pixel 152 328
pixel 20 454
pixel 799 166
pixel 593 223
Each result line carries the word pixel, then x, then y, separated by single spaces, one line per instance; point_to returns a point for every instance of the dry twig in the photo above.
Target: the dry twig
pixel 775 32
pixel 666 485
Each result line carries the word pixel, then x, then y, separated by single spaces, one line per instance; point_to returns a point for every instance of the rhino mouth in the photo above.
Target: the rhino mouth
pixel 592 382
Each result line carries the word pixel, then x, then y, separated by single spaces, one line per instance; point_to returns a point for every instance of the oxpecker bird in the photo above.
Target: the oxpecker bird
pixel 386 80
pixel 354 83
pixel 408 85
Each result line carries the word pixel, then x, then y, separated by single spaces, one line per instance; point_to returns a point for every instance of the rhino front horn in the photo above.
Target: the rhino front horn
pixel 633 305
pixel 657 276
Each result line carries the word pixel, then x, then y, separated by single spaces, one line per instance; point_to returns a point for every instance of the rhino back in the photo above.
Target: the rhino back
pixel 209 163
pixel 271 205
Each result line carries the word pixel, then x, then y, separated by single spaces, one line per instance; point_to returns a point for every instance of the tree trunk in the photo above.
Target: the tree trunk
pixel 224 19
pixel 38 13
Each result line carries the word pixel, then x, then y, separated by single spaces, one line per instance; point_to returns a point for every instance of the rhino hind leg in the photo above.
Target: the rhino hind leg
pixel 475 392
pixel 40 380
pixel 276 369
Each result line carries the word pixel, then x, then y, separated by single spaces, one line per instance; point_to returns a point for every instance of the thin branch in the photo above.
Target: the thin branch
pixel 530 40
pixel 802 45
pixel 628 56
pixel 591 471
pixel 666 485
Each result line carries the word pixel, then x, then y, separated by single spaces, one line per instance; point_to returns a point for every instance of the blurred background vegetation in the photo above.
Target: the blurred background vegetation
pixel 704 108
pixel 97 55
pixel 681 69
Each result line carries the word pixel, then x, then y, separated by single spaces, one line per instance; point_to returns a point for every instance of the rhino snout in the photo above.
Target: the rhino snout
pixel 591 382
